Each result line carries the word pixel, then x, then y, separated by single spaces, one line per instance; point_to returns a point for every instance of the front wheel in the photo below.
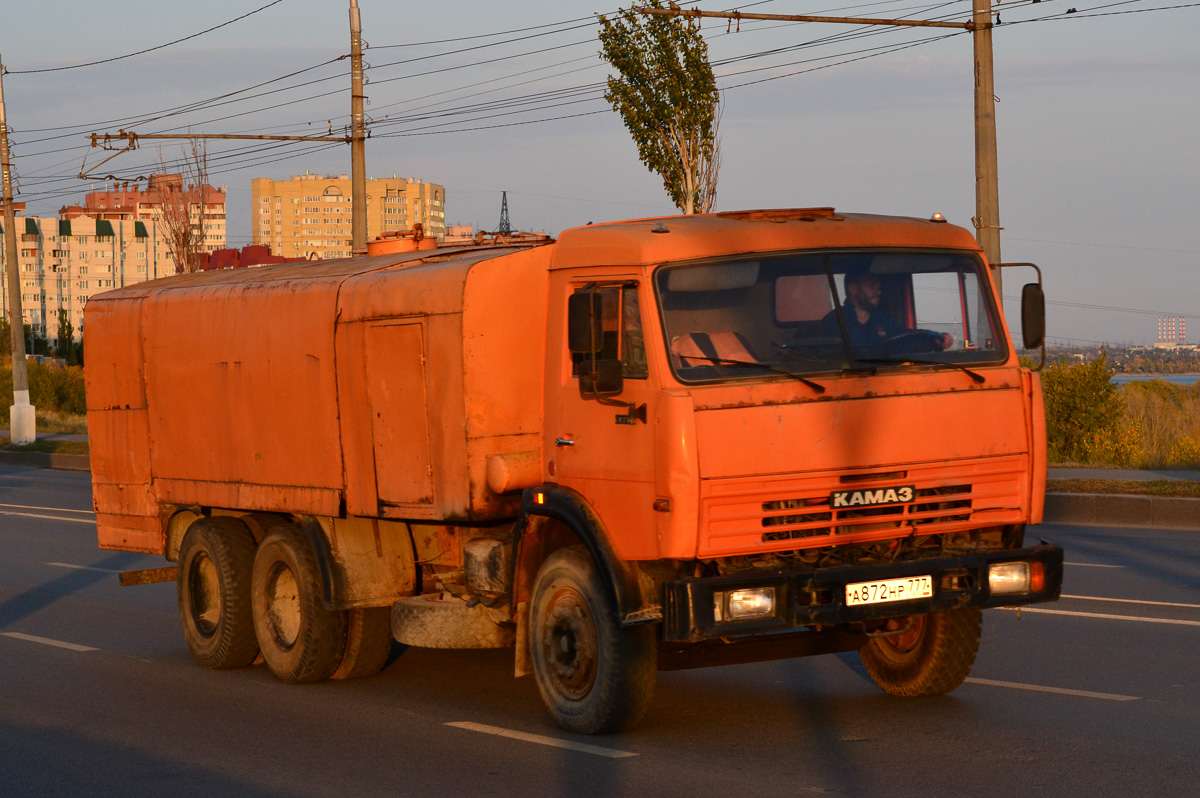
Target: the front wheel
pixel 924 654
pixel 594 676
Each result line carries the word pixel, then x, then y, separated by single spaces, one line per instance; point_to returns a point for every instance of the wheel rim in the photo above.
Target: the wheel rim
pixel 569 644
pixel 205 592
pixel 905 645
pixel 283 606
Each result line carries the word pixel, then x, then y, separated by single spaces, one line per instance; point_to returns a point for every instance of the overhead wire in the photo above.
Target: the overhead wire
pixel 147 50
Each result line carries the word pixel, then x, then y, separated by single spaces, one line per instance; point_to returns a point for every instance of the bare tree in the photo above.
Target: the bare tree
pixel 183 198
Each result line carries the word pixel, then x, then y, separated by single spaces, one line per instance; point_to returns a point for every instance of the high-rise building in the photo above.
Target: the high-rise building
pixel 309 215
pixel 164 193
pixel 1172 330
pixel 63 261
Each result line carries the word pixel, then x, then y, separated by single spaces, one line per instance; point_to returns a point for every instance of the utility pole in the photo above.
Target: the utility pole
pixel 987 185
pixel 357 139
pixel 22 423
pixel 358 144
pixel 987 193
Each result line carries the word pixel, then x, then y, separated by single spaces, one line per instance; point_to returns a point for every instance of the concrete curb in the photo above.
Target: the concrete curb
pixel 1106 509
pixel 66 462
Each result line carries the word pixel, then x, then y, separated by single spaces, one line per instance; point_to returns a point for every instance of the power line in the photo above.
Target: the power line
pixel 147 50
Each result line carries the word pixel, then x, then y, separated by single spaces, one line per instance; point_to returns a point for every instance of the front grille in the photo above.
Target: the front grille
pixel 743 516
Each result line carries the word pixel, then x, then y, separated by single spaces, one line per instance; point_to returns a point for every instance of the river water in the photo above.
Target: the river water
pixel 1178 379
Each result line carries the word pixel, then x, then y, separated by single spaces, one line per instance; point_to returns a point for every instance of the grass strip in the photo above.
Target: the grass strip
pixel 1174 488
pixel 48 446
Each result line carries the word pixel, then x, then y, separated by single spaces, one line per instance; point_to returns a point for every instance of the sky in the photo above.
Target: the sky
pixel 1097 119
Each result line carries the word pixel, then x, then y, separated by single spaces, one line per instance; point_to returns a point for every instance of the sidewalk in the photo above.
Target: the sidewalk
pixel 68 462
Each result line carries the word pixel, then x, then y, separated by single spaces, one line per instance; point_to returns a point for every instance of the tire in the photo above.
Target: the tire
pixel 368 643
pixel 216 559
pixel 932 658
pixel 436 620
pixel 594 676
pixel 301 641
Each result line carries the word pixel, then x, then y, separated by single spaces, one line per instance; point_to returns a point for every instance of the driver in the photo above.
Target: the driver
pixel 866 322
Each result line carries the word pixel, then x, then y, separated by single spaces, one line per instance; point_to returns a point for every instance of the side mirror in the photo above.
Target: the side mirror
pixel 606 380
pixel 1033 315
pixel 585 323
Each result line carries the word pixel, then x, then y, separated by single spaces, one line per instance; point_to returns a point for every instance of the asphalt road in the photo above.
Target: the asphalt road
pixel 1096 695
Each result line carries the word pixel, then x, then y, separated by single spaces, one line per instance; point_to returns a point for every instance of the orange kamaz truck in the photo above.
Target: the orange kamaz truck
pixel 654 444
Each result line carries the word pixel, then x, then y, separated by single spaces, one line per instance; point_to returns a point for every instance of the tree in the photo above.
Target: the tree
pixel 66 335
pixel 667 96
pixel 183 198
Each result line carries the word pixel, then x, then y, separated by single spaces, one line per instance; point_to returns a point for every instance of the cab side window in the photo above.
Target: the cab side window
pixel 622 339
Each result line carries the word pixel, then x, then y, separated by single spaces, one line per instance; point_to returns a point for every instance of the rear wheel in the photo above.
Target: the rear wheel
pixel 594 676
pixel 927 654
pixel 368 643
pixel 301 641
pixel 213 587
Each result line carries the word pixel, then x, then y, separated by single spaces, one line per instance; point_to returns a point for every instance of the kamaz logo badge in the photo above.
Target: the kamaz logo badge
pixel 871 498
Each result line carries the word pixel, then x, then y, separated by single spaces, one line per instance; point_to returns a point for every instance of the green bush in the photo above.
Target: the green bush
pixel 51 388
pixel 1084 415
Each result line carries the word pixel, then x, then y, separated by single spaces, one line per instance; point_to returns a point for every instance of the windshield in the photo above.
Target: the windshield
pixel 826 312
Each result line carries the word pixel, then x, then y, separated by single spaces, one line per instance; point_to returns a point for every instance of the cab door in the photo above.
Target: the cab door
pixel 600 407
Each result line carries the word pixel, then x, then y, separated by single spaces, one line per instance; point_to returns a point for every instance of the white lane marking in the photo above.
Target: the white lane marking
pixel 1134 601
pixel 51 517
pixel 1103 615
pixel 611 753
pixel 47 641
pixel 84 568
pixel 1037 688
pixel 1091 565
pixel 54 509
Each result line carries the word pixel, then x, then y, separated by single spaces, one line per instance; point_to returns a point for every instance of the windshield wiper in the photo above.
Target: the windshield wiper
pixel 724 361
pixel 975 375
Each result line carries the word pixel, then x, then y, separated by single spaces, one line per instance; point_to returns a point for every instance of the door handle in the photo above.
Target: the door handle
pixel 563 442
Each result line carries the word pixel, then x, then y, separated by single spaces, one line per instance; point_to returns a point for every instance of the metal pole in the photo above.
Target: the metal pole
pixel 987 189
pixel 22 422
pixel 358 147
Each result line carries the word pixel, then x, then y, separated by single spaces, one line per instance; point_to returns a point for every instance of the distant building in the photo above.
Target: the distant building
pixel 65 260
pixel 309 215
pixel 1172 331
pixel 120 202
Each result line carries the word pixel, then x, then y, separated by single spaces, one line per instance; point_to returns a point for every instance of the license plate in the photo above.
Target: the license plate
pixel 887 590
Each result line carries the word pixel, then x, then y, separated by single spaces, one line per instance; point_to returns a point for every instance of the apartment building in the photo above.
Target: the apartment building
pixel 164 193
pixel 309 215
pixel 63 261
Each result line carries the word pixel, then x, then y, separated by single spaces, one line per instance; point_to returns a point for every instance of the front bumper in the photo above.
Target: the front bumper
pixel 808 598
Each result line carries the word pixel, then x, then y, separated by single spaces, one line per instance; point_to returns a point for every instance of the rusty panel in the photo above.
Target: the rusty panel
pixel 113 376
pixel 120 446
pixel 431 285
pixel 861 433
pixel 447 431
pixel 395 358
pixel 130 533
pixel 240 385
pixel 373 560
pixel 243 496
pixel 358 454
pixel 124 499
pixel 504 342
